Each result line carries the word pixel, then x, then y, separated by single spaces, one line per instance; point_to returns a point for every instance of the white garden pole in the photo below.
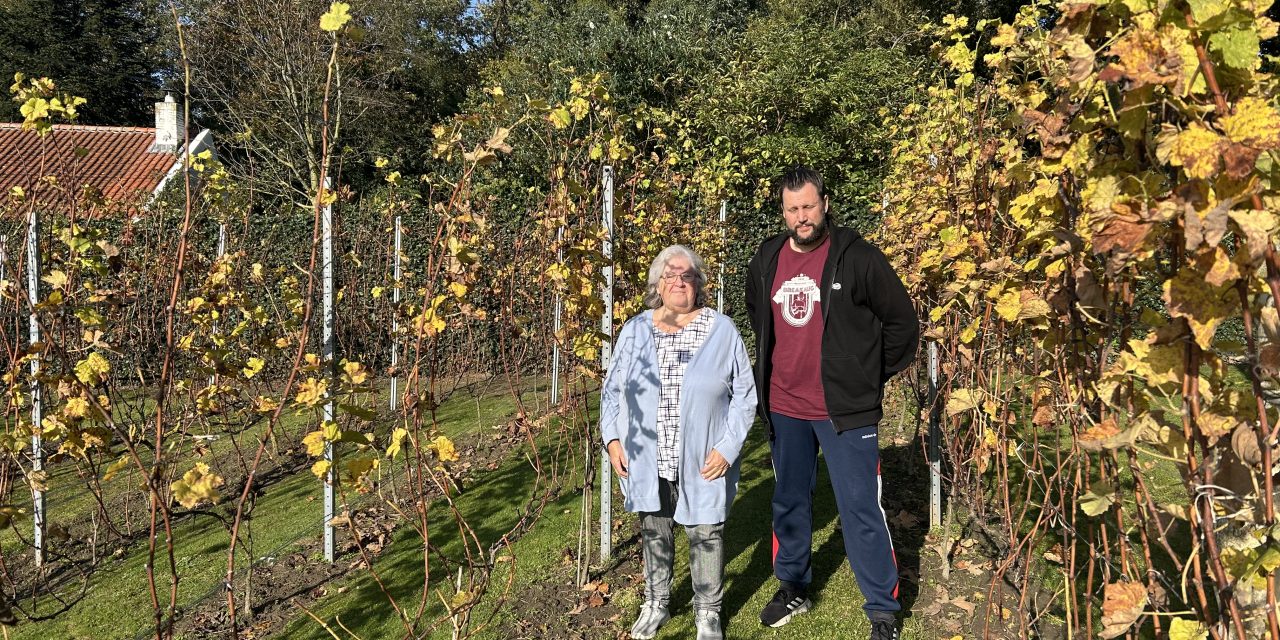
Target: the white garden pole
pixel 37 408
pixel 395 324
pixel 555 343
pixel 606 327
pixel 935 443
pixel 724 254
pixel 331 476
pixel 222 251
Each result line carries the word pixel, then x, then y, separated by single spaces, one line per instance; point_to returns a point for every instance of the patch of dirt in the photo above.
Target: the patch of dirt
pixel 556 607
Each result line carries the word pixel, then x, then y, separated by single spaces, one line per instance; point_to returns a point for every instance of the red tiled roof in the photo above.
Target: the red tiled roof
pixel 113 161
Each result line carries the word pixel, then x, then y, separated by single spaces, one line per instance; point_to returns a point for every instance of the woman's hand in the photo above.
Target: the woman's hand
pixel 617 459
pixel 715 466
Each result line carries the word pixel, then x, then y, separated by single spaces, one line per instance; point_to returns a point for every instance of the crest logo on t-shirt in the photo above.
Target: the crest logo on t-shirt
pixel 798 297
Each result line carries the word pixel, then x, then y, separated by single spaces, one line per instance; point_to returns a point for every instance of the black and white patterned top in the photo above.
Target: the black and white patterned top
pixel 675 350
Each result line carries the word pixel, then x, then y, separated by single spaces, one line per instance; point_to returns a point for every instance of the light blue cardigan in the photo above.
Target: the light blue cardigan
pixel 717 408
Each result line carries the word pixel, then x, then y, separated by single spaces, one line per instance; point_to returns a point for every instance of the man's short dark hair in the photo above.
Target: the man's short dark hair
pixel 797 177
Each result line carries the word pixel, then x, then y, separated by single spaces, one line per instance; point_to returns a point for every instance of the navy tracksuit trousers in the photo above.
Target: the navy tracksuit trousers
pixel 853 462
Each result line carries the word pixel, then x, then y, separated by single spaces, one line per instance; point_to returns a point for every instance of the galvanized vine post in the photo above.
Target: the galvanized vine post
pixel 37 408
pixel 330 476
pixel 555 343
pixel 395 323
pixel 724 254
pixel 935 423
pixel 606 327
pixel 935 442
pixel 222 251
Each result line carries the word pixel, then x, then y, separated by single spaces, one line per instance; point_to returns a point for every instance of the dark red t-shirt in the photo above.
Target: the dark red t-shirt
pixel 795 389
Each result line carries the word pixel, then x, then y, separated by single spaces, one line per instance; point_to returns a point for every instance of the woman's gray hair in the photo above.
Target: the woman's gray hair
pixel 651 297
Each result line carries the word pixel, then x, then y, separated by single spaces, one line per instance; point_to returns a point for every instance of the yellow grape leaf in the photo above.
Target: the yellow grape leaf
pixel 1185 629
pixel 1122 605
pixel 1198 150
pixel 115 468
pixel 1009 306
pixel 93 369
pixel 1254 123
pixel 311 392
pixel 396 441
pixel 76 408
pixel 252 366
pixel 339 14
pixel 358 471
pixel 314 442
pixel 443 447
pixel 970 332
pixel 376 292
pixel 962 400
pixel 263 404
pixel 431 320
pixel 459 290
pixel 355 372
pixel 1205 307
pixel 559 117
pixel 321 468
pixel 56 279
pixel 198 485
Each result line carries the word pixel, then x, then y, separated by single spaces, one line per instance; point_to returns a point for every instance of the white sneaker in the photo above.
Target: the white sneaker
pixel 708 623
pixel 652 616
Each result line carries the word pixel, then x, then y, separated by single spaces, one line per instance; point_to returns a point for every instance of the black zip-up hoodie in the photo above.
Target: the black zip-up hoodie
pixel 870 329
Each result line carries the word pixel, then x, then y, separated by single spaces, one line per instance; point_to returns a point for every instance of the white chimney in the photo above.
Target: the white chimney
pixel 168 128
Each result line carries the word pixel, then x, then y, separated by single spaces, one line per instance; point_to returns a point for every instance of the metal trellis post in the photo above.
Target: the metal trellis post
pixel 555 343
pixel 724 210
pixel 222 251
pixel 331 476
pixel 935 442
pixel 37 408
pixel 395 324
pixel 606 326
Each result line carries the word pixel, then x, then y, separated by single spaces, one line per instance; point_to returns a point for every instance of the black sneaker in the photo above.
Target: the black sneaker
pixel 785 603
pixel 884 630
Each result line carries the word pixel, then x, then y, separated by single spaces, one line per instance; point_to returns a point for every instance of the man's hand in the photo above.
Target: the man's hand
pixel 715 466
pixel 617 459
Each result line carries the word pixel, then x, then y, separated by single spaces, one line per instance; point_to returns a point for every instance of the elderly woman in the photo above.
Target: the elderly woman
pixel 675 409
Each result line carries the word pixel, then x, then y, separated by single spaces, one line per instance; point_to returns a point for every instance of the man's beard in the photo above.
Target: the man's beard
pixel 819 233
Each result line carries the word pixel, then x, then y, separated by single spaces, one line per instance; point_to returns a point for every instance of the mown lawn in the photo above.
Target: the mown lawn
pixel 118 603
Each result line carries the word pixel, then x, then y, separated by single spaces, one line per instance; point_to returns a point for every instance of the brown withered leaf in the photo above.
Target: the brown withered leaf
pixel 1082 58
pixel 1207 227
pixel 1218 267
pixel 1122 234
pixel 1122 604
pixel 1257 226
pixel 1240 160
pixel 1244 441
pixel 1088 291
pixel 1143 59
pixel 1050 129
pixel 1269 360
